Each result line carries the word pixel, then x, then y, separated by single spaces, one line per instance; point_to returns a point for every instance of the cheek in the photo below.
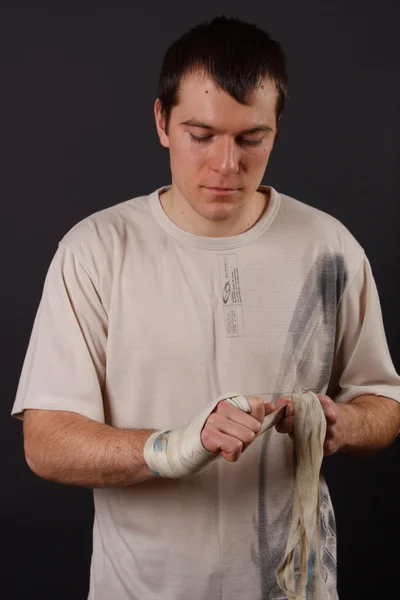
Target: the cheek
pixel 194 158
pixel 267 150
pixel 259 159
pixel 189 153
pixel 264 158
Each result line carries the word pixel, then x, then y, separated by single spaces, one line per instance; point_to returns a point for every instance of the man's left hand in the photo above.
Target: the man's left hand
pixel 335 424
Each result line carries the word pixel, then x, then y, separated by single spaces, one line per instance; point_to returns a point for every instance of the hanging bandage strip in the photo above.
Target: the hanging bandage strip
pixel 180 453
pixel 304 533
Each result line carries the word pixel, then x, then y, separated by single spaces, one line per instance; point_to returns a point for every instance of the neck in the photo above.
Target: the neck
pixel 179 211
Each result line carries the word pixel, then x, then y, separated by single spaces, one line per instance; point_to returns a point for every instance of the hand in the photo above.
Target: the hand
pixel 335 422
pixel 230 431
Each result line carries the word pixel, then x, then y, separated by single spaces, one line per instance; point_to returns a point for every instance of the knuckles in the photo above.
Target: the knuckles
pixel 329 448
pixel 207 438
pixel 208 433
pixel 250 435
pixel 257 427
pixel 222 408
pixel 212 419
pixel 236 447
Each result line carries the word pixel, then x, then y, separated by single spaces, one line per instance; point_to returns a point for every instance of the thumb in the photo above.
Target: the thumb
pixel 269 408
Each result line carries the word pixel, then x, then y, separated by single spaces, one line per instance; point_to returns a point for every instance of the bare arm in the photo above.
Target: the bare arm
pixel 72 449
pixel 69 448
pixel 370 423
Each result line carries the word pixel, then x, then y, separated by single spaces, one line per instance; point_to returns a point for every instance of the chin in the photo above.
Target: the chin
pixel 218 211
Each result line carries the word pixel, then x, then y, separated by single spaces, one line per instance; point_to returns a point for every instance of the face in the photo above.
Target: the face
pixel 219 149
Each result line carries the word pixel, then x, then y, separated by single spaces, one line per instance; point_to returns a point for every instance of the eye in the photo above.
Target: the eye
pixel 253 143
pixel 196 138
pixel 240 141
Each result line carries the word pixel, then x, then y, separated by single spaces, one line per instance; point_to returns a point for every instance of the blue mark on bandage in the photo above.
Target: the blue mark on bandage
pixel 160 444
pixel 310 570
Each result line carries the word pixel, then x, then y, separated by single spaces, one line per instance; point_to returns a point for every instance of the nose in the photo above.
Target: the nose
pixel 225 157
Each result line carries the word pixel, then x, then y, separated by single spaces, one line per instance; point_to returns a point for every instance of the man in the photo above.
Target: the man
pixel 156 309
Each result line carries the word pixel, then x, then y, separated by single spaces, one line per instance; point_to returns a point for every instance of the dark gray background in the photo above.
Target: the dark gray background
pixel 77 135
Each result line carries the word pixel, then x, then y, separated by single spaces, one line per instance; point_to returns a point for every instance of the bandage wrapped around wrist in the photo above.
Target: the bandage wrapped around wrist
pixel 179 452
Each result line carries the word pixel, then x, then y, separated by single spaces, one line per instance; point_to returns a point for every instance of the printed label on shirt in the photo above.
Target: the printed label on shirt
pixel 231 296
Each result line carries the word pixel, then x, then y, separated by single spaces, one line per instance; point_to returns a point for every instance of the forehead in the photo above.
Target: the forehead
pixel 200 98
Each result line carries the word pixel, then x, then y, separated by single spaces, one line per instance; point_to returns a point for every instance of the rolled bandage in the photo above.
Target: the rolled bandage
pixel 179 452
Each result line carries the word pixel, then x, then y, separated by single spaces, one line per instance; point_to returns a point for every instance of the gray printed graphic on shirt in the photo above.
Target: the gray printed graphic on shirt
pixel 231 295
pixel 314 320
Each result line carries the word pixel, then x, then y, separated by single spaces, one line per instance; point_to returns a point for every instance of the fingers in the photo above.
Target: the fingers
pixel 257 407
pixel 269 408
pixel 287 423
pixel 286 400
pixel 329 408
pixel 330 447
pixel 252 421
pixel 230 431
pixel 331 412
pixel 230 446
pixel 218 423
pixel 334 425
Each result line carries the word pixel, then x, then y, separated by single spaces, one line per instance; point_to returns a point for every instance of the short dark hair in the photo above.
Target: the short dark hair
pixel 236 55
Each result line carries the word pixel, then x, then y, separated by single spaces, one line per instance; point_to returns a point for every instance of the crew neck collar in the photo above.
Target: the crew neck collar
pixel 216 243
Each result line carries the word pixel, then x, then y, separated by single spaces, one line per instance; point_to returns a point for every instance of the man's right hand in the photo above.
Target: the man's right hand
pixel 230 431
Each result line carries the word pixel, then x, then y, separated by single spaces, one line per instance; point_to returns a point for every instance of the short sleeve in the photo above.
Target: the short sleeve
pixel 362 362
pixel 64 366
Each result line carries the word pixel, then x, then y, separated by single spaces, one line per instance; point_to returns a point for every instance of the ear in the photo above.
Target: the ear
pixel 278 123
pixel 160 124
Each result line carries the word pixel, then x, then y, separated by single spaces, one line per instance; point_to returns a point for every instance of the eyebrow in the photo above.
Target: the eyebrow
pixel 196 123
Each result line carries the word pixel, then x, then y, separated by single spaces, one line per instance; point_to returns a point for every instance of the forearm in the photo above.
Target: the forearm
pixel 72 449
pixel 371 424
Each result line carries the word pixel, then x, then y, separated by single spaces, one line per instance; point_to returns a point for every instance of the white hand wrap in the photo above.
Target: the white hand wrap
pixel 179 452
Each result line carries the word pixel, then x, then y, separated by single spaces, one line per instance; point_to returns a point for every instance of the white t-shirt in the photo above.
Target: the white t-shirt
pixel 141 324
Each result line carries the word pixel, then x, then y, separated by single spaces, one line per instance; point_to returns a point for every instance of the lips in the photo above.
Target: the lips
pixel 220 191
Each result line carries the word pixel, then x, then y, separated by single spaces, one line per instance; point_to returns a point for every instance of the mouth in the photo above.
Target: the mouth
pixel 221 191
